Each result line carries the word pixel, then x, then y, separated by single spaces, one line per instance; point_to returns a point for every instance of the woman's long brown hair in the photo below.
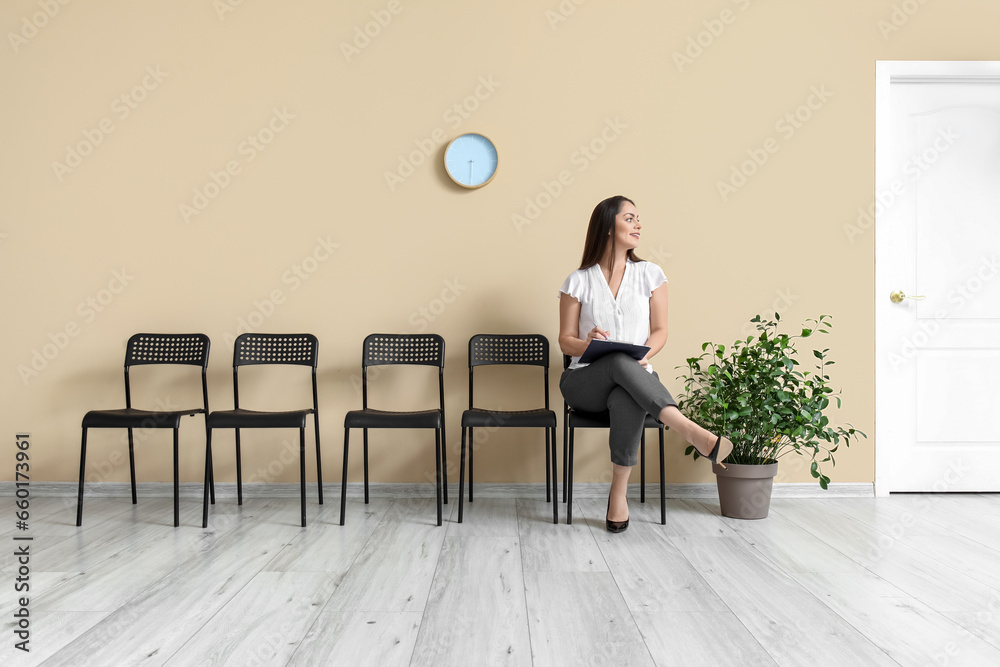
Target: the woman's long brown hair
pixel 601 232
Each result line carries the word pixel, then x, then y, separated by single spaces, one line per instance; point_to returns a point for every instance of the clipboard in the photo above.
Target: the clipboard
pixel 598 348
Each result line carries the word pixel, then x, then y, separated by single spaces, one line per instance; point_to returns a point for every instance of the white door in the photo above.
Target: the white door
pixel 937 235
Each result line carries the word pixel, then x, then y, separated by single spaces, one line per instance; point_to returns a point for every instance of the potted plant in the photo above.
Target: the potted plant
pixel 756 394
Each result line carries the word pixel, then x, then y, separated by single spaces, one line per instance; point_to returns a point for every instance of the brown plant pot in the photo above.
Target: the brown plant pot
pixel 745 490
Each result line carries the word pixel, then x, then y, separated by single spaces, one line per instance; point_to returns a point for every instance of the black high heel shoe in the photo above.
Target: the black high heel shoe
pixel 614 526
pixel 723 448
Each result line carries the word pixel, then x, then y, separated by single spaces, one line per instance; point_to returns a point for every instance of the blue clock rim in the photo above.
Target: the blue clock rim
pixel 456 180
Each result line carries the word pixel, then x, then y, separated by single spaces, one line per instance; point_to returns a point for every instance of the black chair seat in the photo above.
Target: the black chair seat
pixel 602 420
pixel 400 350
pixel 144 349
pixel 370 418
pixel 132 418
pixel 525 350
pixel 254 419
pixel 574 419
pixel 268 349
pixel 538 418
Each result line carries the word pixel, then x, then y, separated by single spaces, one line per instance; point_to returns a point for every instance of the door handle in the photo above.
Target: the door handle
pixel 898 296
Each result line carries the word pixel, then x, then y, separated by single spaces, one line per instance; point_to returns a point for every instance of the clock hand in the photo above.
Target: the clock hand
pixel 471 163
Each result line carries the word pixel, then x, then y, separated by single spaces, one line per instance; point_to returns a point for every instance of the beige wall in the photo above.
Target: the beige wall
pixel 162 95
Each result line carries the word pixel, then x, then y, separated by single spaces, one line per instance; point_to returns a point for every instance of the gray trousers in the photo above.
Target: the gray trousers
pixel 616 383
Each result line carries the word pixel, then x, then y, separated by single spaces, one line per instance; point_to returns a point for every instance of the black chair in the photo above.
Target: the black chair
pixel 399 349
pixel 254 349
pixel 522 350
pixel 142 350
pixel 574 419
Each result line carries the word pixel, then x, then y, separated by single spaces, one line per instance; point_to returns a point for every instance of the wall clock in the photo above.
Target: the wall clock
pixel 471 160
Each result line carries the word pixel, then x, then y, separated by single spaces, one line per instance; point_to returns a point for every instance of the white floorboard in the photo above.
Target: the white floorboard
pixel 381 638
pixel 483 573
pixel 580 618
pixel 699 639
pixel 904 580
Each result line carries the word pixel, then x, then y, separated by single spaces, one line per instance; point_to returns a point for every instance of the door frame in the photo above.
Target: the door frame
pixel 888 72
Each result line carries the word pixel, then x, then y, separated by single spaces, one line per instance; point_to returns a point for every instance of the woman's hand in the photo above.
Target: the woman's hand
pixel 598 333
pixel 644 362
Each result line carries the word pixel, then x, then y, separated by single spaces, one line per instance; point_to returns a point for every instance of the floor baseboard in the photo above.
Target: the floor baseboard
pixel 386 490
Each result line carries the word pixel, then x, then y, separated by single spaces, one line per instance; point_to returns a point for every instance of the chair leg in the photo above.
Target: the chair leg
pixel 366 465
pixel 239 471
pixel 568 466
pixel 209 468
pixel 565 451
pixel 319 463
pixel 663 485
pixel 444 465
pixel 343 483
pixel 548 468
pixel 437 457
pixel 177 488
pixel 131 464
pixel 472 442
pixel 461 479
pixel 83 466
pixel 642 467
pixel 211 478
pixel 302 472
pixel 555 480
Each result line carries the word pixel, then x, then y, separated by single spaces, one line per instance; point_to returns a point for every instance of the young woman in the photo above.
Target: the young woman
pixel 615 295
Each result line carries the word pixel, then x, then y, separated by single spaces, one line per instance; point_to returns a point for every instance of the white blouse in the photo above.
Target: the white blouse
pixel 625 318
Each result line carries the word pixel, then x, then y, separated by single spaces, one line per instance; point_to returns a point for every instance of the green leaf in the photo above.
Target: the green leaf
pixel 754 391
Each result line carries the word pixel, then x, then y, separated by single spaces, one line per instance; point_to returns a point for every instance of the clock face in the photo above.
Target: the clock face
pixel 471 160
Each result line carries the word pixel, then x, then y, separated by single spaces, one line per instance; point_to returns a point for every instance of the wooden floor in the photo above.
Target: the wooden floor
pixel 904 580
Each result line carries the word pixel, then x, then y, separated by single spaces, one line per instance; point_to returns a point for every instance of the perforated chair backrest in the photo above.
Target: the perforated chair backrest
pixel 145 349
pixel 402 349
pixel 510 350
pixel 517 349
pixel 256 348
pixel 419 349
